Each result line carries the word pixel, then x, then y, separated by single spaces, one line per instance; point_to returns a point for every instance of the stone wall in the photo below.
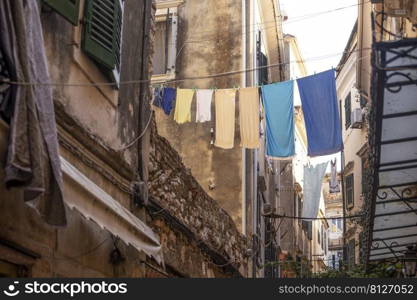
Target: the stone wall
pixel 209 45
pixel 177 192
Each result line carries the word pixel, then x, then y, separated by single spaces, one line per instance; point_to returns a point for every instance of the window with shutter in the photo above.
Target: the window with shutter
pixel 318 237
pixel 349 191
pixel 69 9
pixel 102 34
pixel 308 228
pixel 363 180
pixel 351 253
pixel 348 110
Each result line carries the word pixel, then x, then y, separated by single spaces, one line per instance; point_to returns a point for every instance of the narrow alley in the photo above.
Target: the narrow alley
pixel 208 139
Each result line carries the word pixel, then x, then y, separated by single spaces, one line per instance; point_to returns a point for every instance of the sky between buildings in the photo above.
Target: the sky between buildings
pixel 320 34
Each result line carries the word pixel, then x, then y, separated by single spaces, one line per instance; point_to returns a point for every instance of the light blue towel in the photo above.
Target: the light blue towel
pixel 313 180
pixel 278 99
pixel 321 113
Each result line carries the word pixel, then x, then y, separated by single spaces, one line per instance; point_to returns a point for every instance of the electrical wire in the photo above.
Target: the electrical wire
pixel 22 83
pixel 92 250
pixel 275 216
pixel 290 21
pixel 135 140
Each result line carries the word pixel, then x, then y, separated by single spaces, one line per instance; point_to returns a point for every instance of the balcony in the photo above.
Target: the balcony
pixel 391 221
pixel 335 244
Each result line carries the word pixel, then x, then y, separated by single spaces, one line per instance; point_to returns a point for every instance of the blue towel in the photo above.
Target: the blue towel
pixel 278 99
pixel 321 113
pixel 164 98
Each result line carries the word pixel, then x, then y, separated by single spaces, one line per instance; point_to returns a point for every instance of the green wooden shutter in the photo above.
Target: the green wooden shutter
pixel 102 34
pixel 350 190
pixel 67 8
pixel 348 110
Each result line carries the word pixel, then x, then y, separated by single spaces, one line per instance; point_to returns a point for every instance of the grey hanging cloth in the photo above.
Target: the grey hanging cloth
pixel 334 183
pixel 32 158
pixel 313 179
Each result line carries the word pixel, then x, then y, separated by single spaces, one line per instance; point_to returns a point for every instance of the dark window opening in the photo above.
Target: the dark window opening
pixel 350 191
pixel 348 111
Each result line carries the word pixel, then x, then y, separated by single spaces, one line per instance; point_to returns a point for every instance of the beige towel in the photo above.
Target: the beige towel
pixel 249 117
pixel 225 118
pixel 183 105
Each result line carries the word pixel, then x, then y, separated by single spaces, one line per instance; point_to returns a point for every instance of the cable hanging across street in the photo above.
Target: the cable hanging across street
pixel 90 84
pixel 277 216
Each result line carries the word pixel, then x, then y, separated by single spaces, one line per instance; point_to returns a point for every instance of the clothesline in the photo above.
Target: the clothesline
pixel 275 216
pixel 318 96
pixel 294 19
pixel 135 140
pixel 129 82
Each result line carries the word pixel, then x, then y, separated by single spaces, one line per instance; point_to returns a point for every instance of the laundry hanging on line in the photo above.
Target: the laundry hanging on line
pixel 225 118
pixel 164 98
pixel 249 117
pixel 319 104
pixel 334 182
pixel 204 100
pixel 279 115
pixel 183 105
pixel 321 113
pixel 313 180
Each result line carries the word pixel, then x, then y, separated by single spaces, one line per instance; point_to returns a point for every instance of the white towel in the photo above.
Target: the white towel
pixel 204 98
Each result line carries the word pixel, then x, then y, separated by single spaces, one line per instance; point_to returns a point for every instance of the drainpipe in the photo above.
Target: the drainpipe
pixel 342 168
pixel 243 84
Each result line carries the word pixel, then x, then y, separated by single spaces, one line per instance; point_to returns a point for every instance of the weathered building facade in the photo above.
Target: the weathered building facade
pixel 229 38
pixel 389 80
pixel 376 163
pixel 132 209
pixel 354 130
pixel 333 201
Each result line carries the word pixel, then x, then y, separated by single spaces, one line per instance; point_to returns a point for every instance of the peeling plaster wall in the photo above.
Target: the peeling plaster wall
pixel 92 123
pixel 174 188
pixel 209 45
pixel 110 114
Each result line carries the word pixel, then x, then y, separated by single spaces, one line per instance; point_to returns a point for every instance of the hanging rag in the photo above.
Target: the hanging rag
pixel 204 98
pixel 183 105
pixel 249 117
pixel 279 114
pixel 166 99
pixel 321 113
pixel 313 179
pixel 334 183
pixel 33 161
pixel 158 94
pixel 225 118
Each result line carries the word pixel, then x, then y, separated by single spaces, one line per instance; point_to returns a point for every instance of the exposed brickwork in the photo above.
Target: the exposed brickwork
pixel 174 188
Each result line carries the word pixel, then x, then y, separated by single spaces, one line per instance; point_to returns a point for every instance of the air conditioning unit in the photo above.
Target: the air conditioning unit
pixel 355 94
pixel 401 8
pixel 356 118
